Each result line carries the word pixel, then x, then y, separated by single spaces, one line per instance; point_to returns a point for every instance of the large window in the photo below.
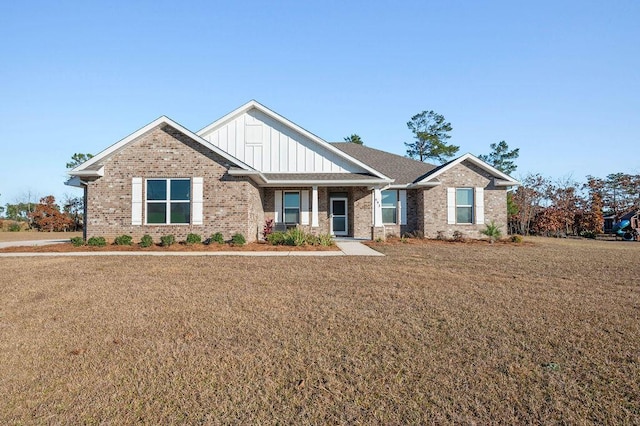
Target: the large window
pixel 390 206
pixel 291 207
pixel 464 205
pixel 168 201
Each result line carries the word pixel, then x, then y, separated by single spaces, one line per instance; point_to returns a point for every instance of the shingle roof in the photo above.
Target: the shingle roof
pixel 404 170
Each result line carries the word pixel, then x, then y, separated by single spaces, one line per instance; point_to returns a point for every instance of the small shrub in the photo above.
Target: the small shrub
pixel 15 227
pixel 325 240
pixel 77 241
pixel 123 240
pixel 458 236
pixel 379 240
pixel 276 238
pixel 167 240
pixel 194 239
pixel 97 242
pixel 295 237
pixel 238 239
pixel 217 238
pixel 404 240
pixel 516 238
pixel 588 234
pixel 440 236
pixel 492 231
pixel 267 229
pixel 146 241
pixel 413 234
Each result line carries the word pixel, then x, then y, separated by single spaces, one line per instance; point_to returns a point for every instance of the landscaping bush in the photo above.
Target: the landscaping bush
pixel 217 238
pixel 238 239
pixel 458 236
pixel 15 227
pixel 267 229
pixel 123 240
pixel 77 241
pixel 97 242
pixel 492 231
pixel 295 237
pixel 167 240
pixel 588 234
pixel 194 239
pixel 325 240
pixel 516 238
pixel 146 241
pixel 276 238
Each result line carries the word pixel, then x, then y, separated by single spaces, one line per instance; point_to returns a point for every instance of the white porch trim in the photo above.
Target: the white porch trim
pixel 314 207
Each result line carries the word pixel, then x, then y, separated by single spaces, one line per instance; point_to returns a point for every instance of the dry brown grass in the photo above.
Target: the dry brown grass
pixel 433 332
pixel 6 236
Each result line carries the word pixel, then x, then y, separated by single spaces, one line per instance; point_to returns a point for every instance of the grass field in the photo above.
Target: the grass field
pixel 543 332
pixel 36 236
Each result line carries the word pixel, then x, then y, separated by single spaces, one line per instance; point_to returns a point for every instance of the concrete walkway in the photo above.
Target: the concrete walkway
pixel 31 243
pixel 347 248
pixel 356 248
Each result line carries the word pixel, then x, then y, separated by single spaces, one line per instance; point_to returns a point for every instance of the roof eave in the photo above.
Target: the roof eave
pixel 262 180
pixel 87 173
pixel 428 184
pixel 503 183
pixel 75 182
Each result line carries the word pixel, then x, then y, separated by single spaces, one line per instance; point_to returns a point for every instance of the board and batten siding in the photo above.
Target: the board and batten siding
pixel 267 145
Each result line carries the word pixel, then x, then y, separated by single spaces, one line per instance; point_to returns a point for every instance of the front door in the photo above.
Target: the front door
pixel 339 216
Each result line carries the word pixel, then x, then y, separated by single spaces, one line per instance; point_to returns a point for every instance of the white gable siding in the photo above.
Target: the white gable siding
pixel 267 145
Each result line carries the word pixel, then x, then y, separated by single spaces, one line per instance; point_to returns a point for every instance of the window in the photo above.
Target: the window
pixel 168 201
pixel 464 205
pixel 291 207
pixel 390 206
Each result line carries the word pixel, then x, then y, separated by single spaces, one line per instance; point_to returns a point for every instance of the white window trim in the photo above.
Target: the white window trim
pixel 395 207
pixel 472 206
pixel 284 207
pixel 167 202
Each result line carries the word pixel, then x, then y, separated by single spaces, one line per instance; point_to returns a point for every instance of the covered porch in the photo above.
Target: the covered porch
pixel 341 211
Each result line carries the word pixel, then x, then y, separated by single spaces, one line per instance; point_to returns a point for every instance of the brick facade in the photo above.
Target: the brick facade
pixel 230 204
pixel 463 175
pixel 237 204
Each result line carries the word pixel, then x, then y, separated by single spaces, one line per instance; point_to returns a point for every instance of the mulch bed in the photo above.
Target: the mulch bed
pixel 178 247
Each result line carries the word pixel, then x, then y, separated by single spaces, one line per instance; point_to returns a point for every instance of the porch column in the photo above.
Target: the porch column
pixel 314 207
pixel 377 207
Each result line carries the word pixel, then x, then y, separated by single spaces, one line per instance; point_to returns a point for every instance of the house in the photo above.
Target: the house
pixel 253 165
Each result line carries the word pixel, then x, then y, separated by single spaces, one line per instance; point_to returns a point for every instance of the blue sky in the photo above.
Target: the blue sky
pixel 558 79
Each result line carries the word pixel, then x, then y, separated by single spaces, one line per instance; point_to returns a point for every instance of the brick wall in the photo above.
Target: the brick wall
pixel 468 175
pixel 230 204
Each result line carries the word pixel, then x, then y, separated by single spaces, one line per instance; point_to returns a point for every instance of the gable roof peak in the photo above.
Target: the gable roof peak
pixel 162 120
pixel 253 104
pixel 504 179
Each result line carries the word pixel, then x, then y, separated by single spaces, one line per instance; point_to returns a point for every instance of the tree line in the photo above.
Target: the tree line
pixel 539 205
pixel 542 206
pixel 47 215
